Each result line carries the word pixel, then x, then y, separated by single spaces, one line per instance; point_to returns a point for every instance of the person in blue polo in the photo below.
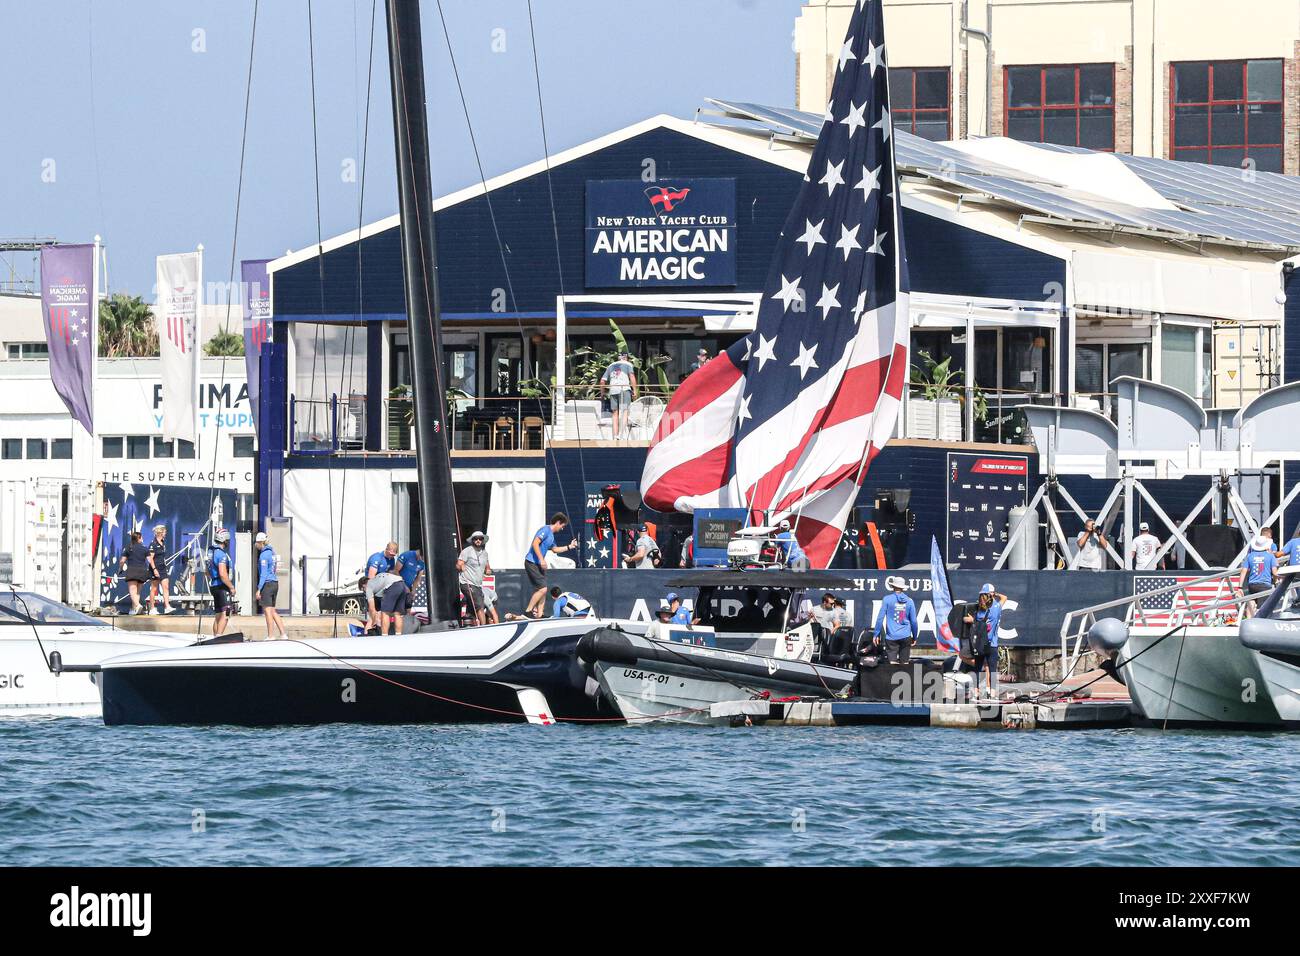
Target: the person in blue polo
pixel 680 614
pixel 542 543
pixel 795 559
pixel 410 565
pixel 382 561
pixel 985 619
pixel 896 622
pixel 1259 568
pixel 1289 555
pixel 221 580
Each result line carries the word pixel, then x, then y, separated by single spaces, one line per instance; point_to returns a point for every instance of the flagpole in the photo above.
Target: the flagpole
pixel 198 351
pixel 94 356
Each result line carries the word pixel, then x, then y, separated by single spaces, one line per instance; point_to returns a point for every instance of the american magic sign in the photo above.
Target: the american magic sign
pixel 678 232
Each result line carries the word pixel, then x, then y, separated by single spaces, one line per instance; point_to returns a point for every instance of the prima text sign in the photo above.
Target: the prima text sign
pixel 679 232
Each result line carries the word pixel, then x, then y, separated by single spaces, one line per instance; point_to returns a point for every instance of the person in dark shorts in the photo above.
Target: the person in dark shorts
pixel 535 560
pixel 268 586
pixel 160 573
pixel 386 595
pixel 221 581
pixel 985 618
pixel 135 566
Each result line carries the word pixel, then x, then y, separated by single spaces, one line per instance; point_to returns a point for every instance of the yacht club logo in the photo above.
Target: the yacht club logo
pixel 665 198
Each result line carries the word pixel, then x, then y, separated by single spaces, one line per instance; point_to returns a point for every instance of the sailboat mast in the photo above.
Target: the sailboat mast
pixel 420 267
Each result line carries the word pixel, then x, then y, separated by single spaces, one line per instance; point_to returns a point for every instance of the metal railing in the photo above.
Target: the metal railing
pixel 1195 612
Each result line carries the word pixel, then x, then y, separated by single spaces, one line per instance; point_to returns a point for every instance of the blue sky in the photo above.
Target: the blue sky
pixel 122 117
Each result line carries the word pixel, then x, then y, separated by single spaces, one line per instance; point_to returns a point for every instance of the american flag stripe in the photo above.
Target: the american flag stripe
pixel 800 406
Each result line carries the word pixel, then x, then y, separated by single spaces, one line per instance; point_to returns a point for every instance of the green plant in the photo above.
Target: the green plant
pixel 126 327
pixel 225 343
pixel 936 379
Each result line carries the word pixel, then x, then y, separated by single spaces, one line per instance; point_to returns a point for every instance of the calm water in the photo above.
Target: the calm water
pixel 75 792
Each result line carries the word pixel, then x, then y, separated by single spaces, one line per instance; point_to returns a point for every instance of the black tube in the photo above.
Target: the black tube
pixel 423 316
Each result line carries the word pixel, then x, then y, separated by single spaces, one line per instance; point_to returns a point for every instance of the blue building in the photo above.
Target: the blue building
pixel 1038 277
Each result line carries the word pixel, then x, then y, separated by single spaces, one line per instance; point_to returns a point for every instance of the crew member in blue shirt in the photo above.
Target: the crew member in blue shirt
pixel 987 616
pixel 569 604
pixel 382 561
pixel 410 565
pixel 268 586
pixel 680 614
pixel 221 581
pixel 795 559
pixel 1259 568
pixel 535 559
pixel 896 622
pixel 1291 550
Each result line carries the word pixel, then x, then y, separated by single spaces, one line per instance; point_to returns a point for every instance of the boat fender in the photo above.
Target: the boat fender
pixel 1270 636
pixel 1107 635
pixel 606 645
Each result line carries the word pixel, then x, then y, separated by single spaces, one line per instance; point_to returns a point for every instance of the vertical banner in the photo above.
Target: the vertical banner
pixel 67 290
pixel 177 315
pixel 257 324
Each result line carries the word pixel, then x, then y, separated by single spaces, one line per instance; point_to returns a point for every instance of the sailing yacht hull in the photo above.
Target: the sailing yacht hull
pixel 512 673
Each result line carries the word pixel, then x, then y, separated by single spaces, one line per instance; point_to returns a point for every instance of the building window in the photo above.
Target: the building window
pixel 61 449
pixel 242 446
pixel 920 101
pixel 184 449
pixel 11 449
pixel 1228 111
pixel 1064 105
pixel 162 448
pixel 111 448
pixel 137 446
pixel 36 448
pixel 28 350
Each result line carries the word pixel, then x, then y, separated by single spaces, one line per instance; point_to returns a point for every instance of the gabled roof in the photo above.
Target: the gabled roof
pixel 793 158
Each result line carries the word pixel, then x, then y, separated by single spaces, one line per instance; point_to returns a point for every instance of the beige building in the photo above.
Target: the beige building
pixel 1204 80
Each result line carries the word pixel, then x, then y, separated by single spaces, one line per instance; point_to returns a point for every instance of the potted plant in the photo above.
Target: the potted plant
pixel 401 416
pixel 934 408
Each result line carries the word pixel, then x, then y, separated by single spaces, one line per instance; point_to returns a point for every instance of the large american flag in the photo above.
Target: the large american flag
pixel 786 420
pixel 1184 605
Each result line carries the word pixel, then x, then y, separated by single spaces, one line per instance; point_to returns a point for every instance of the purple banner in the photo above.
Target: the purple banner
pixel 67 284
pixel 257 324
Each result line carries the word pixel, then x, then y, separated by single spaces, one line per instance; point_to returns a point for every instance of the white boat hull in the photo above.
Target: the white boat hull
pixel 28 688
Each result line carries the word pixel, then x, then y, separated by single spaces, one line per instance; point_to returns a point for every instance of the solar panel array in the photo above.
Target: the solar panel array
pixel 1216 202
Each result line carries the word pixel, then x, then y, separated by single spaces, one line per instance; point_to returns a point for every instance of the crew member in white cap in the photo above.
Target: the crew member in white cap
pixel 896 622
pixel 268 587
pixel 1144 549
pixel 221 581
pixel 1259 570
pixel 984 623
pixel 795 559
pixel 472 563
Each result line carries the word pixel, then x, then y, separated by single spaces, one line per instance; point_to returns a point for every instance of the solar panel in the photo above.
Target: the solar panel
pixel 1216 202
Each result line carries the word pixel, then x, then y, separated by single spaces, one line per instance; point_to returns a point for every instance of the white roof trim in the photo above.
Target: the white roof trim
pixel 756 147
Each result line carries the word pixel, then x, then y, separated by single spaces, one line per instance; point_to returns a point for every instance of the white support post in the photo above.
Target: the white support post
pixel 561 369
pixel 1174 528
pixel 1105 509
pixel 1127 482
pixel 1277 513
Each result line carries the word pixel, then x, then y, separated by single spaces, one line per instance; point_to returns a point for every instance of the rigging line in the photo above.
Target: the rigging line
pixel 559 264
pixel 318 350
pixel 348 367
pixel 496 232
pixel 234 244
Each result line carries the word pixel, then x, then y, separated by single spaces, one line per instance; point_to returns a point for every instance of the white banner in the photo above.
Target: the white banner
pixel 180 281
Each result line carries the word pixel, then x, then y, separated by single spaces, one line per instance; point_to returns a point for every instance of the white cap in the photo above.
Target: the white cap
pixel 785 524
pixel 221 534
pixel 987 589
pixel 478 534
pixel 1144 526
pixel 895 581
pixel 260 538
pixel 1261 543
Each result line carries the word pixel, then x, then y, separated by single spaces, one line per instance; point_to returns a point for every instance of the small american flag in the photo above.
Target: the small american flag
pixel 1177 607
pixel 784 422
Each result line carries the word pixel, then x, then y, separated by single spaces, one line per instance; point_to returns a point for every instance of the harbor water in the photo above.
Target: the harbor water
pixel 78 793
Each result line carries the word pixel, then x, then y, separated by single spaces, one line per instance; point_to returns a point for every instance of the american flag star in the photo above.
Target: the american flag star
pixel 785 422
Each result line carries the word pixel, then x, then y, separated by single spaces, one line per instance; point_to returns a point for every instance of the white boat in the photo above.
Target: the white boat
pixel 38 636
pixel 743 650
pixel 1211 668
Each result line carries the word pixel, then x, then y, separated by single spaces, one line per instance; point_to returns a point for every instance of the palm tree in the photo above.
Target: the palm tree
pixel 126 327
pixel 225 342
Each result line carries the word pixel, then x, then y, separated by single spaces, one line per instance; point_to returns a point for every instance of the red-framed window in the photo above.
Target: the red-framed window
pixel 1227 111
pixel 920 101
pixel 1065 105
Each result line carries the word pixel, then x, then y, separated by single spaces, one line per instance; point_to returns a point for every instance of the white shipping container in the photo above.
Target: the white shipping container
pixel 43 547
